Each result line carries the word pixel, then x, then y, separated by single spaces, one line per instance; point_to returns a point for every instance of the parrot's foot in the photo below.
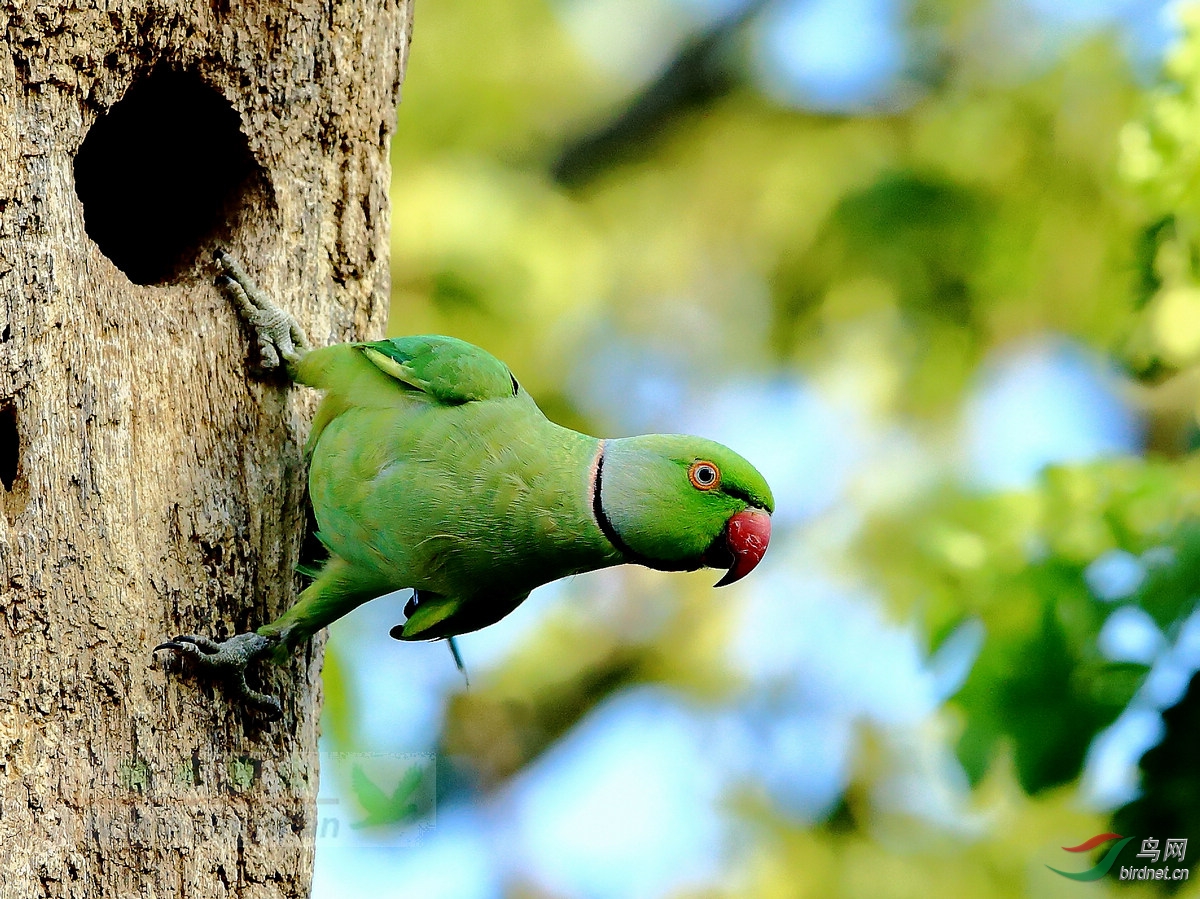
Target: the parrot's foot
pixel 279 336
pixel 229 660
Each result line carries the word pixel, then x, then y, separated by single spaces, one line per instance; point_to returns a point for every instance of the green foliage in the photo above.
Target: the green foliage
pixel 921 233
pixel 337 718
pixel 1160 157
pixel 1170 590
pixel 1043 689
pixel 1017 563
pixel 1169 806
pixel 1159 153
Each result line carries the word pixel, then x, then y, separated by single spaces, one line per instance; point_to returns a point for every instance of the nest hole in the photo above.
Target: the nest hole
pixel 161 173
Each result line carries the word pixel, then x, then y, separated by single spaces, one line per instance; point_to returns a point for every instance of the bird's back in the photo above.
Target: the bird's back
pixel 470 499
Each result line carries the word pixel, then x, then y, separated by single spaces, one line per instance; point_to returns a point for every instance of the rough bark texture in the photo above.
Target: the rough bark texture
pixel 148 485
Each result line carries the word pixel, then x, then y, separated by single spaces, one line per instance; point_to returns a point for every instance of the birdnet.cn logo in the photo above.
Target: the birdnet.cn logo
pixel 1172 849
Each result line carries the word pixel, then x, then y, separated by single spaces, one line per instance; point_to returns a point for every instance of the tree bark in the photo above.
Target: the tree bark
pixel 149 485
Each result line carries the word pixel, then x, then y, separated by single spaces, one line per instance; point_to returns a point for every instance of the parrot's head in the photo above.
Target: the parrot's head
pixel 681 503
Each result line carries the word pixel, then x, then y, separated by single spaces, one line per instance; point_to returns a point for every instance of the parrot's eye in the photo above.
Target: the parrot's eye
pixel 704 475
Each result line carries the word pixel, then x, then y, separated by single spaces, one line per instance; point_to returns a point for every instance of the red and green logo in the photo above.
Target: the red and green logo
pixel 1151 869
pixel 1104 865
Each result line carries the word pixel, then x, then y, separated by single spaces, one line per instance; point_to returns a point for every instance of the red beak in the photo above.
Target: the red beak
pixel 746 537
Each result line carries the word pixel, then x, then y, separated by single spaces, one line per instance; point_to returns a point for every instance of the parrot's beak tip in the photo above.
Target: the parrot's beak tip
pixel 747 535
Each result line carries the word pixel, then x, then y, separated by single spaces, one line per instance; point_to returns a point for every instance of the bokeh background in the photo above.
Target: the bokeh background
pixel 933 267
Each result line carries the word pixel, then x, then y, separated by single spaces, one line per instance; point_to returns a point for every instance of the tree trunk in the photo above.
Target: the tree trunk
pixel 149 485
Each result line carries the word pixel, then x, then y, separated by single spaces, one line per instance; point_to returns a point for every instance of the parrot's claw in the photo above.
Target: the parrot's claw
pixel 229 660
pixel 280 339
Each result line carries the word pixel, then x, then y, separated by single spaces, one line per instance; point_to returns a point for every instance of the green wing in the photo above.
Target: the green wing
pixel 449 370
pixel 429 368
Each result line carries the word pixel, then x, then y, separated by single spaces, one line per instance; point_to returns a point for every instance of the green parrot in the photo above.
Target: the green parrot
pixel 431 468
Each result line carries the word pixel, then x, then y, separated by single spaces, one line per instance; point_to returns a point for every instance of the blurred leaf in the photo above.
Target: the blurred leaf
pixel 1172 587
pixel 495 732
pixel 1169 805
pixel 698 75
pixel 1035 689
pixel 338 711
pixel 921 234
